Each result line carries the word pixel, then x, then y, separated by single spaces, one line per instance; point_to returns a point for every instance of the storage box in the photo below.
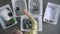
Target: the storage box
pixel 25 24
pixel 18 5
pixel 52 13
pixel 10 21
pixel 35 7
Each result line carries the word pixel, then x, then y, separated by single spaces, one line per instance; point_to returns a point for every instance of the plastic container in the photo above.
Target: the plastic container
pixel 51 13
pixel 35 7
pixel 18 5
pixel 7 23
pixel 25 20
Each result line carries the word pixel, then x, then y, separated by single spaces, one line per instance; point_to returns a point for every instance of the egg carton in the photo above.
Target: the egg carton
pixel 3 22
pixel 51 13
pixel 35 7
pixel 25 24
pixel 18 5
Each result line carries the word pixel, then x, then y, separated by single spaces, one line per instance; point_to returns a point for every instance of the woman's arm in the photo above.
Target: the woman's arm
pixel 34 23
pixel 26 13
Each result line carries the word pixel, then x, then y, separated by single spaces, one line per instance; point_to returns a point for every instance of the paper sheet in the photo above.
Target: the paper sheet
pixel 50 13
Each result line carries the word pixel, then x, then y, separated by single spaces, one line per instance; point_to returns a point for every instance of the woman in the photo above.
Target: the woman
pixel 34 24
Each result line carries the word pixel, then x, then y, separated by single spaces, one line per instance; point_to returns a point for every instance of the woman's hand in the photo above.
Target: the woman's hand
pixel 26 13
pixel 16 32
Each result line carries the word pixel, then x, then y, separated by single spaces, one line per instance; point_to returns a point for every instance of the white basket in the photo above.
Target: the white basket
pixel 2 21
pixel 20 4
pixel 39 22
pixel 52 13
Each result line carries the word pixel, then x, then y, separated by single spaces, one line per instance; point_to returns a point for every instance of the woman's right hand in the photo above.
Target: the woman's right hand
pixel 26 13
